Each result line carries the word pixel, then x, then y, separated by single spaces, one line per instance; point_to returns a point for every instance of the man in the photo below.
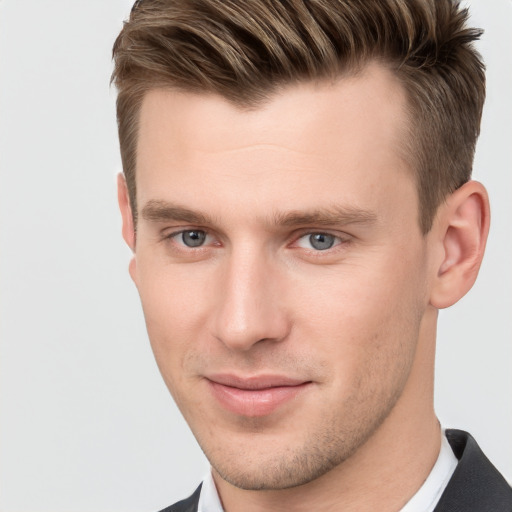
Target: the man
pixel 297 196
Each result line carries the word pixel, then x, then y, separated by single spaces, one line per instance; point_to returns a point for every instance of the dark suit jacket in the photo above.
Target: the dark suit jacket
pixel 475 486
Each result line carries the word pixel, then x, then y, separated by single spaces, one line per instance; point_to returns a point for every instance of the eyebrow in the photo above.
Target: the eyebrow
pixel 333 215
pixel 163 211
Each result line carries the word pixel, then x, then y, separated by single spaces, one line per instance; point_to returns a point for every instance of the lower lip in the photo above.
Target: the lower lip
pixel 254 402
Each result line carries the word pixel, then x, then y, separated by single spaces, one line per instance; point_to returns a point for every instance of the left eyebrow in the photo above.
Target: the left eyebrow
pixel 334 215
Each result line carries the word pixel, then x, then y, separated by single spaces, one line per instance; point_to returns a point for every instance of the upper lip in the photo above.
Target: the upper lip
pixel 255 382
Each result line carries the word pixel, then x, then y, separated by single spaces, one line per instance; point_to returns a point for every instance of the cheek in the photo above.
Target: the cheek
pixel 364 315
pixel 175 309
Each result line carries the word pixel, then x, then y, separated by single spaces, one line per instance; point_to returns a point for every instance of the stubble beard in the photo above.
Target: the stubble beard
pixel 286 467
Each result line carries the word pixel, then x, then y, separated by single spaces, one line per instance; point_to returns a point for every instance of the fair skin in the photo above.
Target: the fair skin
pixel 290 297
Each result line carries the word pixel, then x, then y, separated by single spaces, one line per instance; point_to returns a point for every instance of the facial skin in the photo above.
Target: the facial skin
pixel 341 325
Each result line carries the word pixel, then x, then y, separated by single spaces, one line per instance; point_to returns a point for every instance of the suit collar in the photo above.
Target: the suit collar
pixel 476 485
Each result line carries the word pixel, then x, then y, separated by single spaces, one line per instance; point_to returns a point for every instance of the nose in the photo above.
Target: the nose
pixel 250 305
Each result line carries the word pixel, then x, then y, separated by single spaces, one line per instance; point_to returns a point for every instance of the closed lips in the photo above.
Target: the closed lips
pixel 254 396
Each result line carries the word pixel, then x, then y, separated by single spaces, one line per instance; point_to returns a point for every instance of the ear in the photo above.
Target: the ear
pixel 126 212
pixel 462 227
pixel 128 229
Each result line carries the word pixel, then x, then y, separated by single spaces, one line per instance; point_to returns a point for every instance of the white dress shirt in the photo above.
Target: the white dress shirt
pixel 424 500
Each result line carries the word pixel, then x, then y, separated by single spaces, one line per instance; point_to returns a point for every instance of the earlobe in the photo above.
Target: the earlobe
pixel 463 226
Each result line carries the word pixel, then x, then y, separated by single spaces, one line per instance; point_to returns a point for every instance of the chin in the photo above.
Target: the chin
pixel 277 464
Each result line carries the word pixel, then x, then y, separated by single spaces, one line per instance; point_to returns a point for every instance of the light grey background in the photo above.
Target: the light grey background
pixel 86 422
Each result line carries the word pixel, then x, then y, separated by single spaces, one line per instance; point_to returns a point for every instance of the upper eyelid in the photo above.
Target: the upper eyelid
pixel 310 233
pixel 333 232
pixel 322 231
pixel 169 232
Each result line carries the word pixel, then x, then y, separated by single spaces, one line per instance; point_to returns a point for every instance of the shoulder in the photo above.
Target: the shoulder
pixel 476 485
pixel 186 505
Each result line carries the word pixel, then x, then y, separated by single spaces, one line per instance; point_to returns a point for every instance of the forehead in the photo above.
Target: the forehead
pixel 303 138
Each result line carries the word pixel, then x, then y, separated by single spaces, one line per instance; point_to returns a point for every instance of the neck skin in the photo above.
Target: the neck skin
pixel 385 472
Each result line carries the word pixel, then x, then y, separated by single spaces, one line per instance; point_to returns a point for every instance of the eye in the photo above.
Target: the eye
pixel 191 238
pixel 318 241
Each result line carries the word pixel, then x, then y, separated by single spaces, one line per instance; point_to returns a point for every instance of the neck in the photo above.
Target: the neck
pixel 385 472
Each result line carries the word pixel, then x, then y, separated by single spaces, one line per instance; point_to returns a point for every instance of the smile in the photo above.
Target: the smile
pixel 255 396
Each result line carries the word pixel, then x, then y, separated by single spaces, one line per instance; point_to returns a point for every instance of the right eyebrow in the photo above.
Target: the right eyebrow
pixel 163 211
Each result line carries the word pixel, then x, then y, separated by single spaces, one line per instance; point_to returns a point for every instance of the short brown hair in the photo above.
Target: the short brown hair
pixel 245 50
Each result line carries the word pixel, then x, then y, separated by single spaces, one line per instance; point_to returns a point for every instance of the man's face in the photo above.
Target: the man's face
pixel 281 269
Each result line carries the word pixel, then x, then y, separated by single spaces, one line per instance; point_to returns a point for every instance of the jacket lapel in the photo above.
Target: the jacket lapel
pixel 476 485
pixel 188 505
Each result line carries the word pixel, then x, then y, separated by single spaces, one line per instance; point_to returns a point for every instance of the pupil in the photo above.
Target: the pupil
pixel 193 238
pixel 321 241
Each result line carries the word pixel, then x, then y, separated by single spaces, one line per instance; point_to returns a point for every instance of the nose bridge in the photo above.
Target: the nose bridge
pixel 249 308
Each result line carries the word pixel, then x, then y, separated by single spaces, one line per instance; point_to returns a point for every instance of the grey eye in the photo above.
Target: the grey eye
pixel 193 238
pixel 321 241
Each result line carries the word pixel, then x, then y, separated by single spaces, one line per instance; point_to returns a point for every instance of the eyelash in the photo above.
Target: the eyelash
pixel 175 234
pixel 338 241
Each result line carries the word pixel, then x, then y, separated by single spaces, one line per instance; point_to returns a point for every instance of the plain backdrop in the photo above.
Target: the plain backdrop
pixel 86 422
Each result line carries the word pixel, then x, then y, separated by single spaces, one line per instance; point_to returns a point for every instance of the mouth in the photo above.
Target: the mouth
pixel 254 396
